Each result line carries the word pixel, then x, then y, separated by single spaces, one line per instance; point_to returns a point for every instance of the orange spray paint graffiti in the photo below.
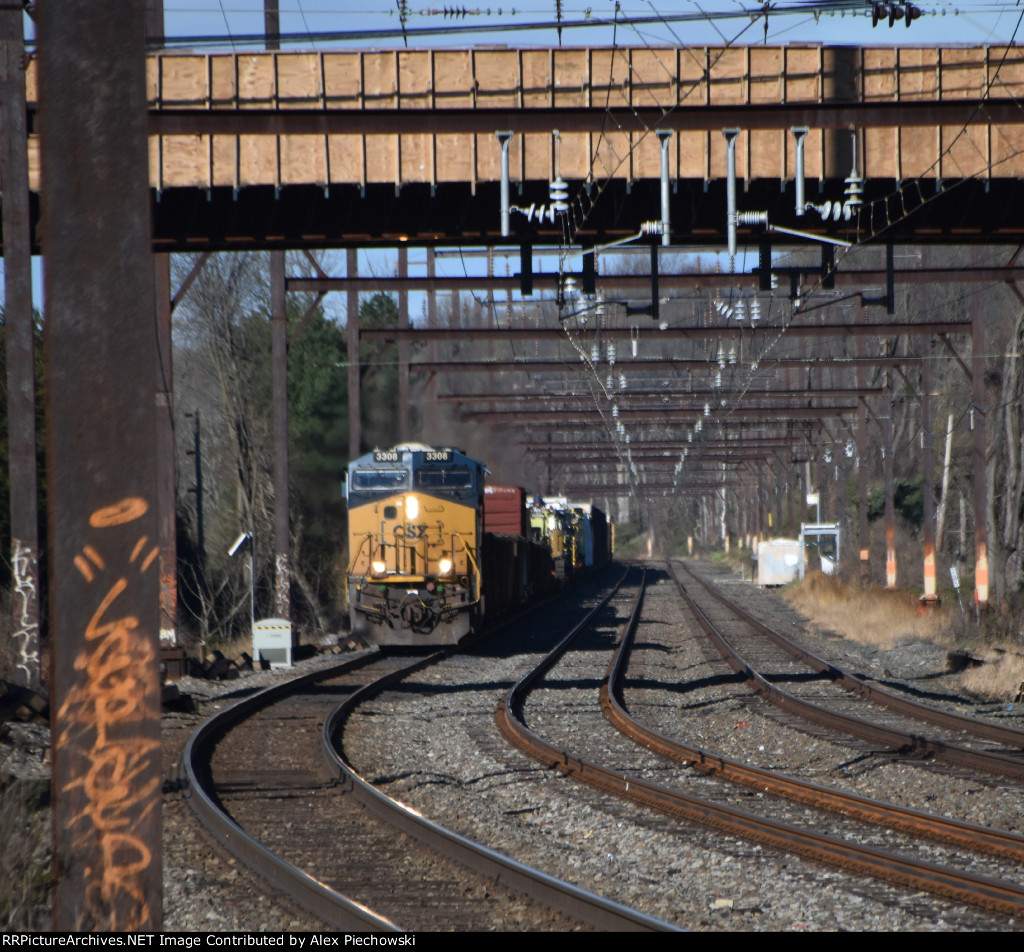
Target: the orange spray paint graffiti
pixel 106 718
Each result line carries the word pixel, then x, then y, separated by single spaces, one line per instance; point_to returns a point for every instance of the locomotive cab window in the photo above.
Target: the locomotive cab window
pixel 364 479
pixel 456 478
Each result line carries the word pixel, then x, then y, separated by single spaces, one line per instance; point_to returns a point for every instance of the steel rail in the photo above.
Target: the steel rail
pixel 960 886
pixel 332 907
pixel 893 816
pixel 585 906
pixel 900 741
pixel 859 685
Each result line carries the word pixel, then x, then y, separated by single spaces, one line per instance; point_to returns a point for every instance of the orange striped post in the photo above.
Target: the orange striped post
pixel 981 573
pixel 930 596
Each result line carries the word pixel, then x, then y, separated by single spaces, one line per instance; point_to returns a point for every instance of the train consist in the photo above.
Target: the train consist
pixel 432 549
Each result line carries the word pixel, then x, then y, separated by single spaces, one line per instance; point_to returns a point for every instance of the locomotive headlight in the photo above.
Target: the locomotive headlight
pixel 379 568
pixel 412 507
pixel 445 565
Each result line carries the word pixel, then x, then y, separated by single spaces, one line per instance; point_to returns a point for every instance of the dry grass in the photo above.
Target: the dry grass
pixel 999 678
pixel 25 877
pixel 870 616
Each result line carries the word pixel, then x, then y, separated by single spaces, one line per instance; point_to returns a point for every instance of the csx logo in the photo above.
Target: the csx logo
pixel 414 532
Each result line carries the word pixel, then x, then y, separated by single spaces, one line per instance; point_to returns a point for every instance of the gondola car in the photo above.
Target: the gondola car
pixel 415 535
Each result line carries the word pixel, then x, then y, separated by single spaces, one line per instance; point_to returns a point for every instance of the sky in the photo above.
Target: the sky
pixel 640 22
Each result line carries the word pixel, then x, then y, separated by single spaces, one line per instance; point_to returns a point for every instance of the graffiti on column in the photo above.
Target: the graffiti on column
pixel 26 624
pixel 282 586
pixel 115 774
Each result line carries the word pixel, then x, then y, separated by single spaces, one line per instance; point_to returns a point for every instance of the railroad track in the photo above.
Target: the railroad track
pixel 271 796
pixel 888 719
pixel 917 873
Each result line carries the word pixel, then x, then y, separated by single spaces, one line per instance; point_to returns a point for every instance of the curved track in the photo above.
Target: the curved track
pixel 265 795
pixel 896 734
pixel 962 886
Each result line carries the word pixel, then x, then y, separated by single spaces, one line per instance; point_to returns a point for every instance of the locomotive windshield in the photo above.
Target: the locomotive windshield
pixel 458 478
pixel 363 479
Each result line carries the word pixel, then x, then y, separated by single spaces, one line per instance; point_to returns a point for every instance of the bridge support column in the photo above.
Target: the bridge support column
pixel 403 348
pixel 930 595
pixel 890 503
pixel 863 538
pixel 24 656
pixel 101 356
pixel 279 362
pixel 981 590
pixel 167 502
pixel 355 429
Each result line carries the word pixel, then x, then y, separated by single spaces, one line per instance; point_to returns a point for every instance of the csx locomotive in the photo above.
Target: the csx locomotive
pixel 414 545
pixel 430 547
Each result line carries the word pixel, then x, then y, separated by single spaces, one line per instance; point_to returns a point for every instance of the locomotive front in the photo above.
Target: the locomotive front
pixel 414 538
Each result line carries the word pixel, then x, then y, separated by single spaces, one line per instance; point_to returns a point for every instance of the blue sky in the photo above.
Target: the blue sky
pixel 710 22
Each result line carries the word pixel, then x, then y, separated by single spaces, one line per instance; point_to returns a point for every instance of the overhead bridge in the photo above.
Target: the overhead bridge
pixel 339 148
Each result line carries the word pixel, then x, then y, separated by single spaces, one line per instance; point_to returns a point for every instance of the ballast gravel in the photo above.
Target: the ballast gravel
pixel 438 750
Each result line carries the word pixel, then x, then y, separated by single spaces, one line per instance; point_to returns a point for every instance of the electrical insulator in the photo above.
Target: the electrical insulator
pixel 622 381
pixel 608 382
pixel 718 378
pixel 615 411
pixel 651 228
pixel 698 426
pixel 558 193
pixel 741 310
pixel 732 351
pixel 595 353
pixel 854 191
pixel 752 218
pixel 611 353
pixel 707 409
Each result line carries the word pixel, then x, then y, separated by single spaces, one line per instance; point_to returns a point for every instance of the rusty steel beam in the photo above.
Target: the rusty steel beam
pixel 676 444
pixel 712 332
pixel 642 282
pixel 167 500
pixel 279 376
pixel 625 489
pixel 101 358
pixel 694 461
pixel 24 655
pixel 979 450
pixel 890 505
pixel 404 342
pixel 355 428
pixel 626 396
pixel 928 482
pixel 666 417
pixel 640 119
pixel 661 366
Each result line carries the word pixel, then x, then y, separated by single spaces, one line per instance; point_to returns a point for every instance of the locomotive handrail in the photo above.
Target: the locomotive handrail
pixel 366 538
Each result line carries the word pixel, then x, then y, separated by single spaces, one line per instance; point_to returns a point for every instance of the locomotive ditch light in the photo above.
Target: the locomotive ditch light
pixel 379 568
pixel 445 566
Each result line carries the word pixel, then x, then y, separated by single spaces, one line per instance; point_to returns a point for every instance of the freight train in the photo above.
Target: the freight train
pixel 432 550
